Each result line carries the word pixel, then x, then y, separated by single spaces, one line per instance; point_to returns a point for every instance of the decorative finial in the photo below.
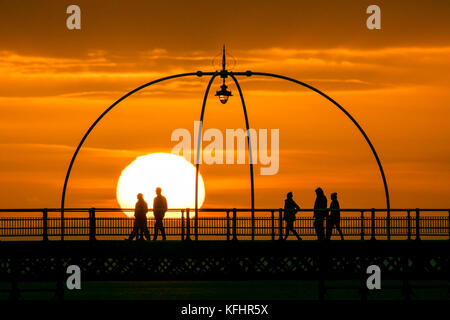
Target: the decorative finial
pixel 223 58
pixel 223 93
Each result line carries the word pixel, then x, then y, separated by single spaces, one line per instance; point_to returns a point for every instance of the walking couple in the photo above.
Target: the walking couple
pixel 140 213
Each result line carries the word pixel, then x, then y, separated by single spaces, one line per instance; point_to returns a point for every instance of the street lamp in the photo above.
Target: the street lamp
pixel 223 93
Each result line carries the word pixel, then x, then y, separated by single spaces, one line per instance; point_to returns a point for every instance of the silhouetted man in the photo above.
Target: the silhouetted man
pixel 290 209
pixel 320 212
pixel 334 219
pixel 159 210
pixel 140 221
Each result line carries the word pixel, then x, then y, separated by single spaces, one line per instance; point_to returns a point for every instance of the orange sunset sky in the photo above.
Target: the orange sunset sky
pixel 54 82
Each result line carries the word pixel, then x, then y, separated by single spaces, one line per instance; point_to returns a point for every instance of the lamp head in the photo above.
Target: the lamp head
pixel 223 93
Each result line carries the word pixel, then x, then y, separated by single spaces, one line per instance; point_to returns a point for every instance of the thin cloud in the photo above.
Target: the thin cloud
pixel 333 69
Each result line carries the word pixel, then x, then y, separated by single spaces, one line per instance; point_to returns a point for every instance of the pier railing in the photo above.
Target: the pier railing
pixel 222 224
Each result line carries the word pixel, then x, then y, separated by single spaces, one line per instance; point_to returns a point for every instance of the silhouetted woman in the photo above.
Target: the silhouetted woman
pixel 320 213
pixel 290 209
pixel 334 219
pixel 140 221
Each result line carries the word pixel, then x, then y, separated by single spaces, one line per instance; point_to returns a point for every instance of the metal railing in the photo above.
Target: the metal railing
pixel 222 224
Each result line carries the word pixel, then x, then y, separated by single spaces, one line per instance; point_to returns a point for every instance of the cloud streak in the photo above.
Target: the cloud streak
pixel 331 69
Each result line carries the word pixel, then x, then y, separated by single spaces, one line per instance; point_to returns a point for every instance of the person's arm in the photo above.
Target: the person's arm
pixel 332 206
pixel 165 204
pixel 296 207
pixel 315 208
pixel 145 208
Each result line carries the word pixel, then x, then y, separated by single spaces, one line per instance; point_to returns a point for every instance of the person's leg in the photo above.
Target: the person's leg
pixel 163 232
pixel 340 232
pixel 322 231
pixel 338 228
pixel 329 229
pixel 145 230
pixel 319 229
pixel 155 231
pixel 316 228
pixel 295 233
pixel 141 223
pixel 134 231
pixel 286 233
pixel 132 235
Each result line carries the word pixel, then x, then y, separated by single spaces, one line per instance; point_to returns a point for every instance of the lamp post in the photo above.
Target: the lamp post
pixel 223 95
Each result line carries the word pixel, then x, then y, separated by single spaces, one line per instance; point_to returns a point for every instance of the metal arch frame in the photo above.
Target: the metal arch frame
pixel 250 156
pixel 199 139
pixel 80 144
pixel 197 155
pixel 232 75
pixel 372 148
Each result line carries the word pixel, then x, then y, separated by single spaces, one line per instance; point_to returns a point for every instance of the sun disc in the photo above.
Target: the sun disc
pixel 173 174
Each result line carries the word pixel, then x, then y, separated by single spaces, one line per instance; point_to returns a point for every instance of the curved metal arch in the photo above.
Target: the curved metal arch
pixel 380 167
pixel 69 169
pixel 197 155
pixel 199 137
pixel 252 186
pixel 250 156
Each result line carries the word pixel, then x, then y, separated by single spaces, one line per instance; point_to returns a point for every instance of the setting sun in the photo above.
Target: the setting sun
pixel 173 174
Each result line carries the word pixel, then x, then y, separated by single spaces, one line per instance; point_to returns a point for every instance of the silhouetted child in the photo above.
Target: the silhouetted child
pixel 334 219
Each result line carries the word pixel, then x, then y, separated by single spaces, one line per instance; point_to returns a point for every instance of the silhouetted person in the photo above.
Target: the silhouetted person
pixel 320 213
pixel 290 209
pixel 334 219
pixel 140 221
pixel 159 210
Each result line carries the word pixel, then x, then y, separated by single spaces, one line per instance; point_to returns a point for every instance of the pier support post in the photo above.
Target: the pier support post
pixel 228 225
pixel 234 225
pixel 188 225
pixel 280 223
pixel 448 225
pixel 408 216
pixel 272 216
pixel 182 224
pixel 196 224
pixel 92 224
pixel 417 224
pixel 45 224
pixel 362 225
pixel 373 224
